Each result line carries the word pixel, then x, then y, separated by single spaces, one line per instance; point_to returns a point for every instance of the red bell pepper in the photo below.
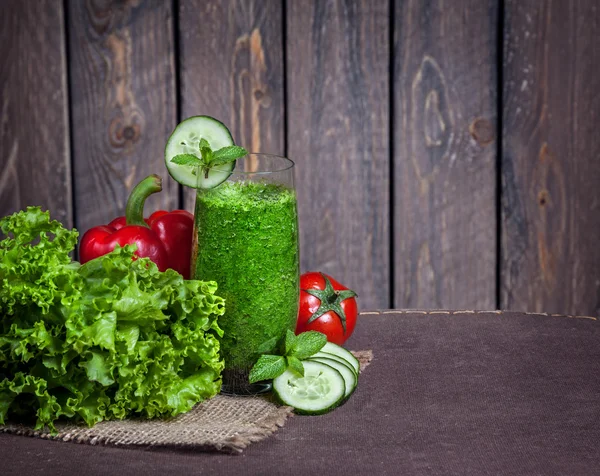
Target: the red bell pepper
pixel 164 237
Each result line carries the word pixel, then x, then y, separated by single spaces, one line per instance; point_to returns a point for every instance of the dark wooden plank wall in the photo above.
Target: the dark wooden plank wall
pixel 447 153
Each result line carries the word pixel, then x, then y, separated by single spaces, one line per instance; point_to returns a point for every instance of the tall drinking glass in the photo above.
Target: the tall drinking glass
pixel 246 239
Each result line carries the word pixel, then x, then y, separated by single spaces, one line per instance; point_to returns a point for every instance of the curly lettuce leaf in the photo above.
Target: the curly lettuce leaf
pixel 108 339
pixel 35 267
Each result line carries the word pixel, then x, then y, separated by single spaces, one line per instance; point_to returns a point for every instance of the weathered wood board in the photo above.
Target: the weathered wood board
pixel 445 154
pixel 231 57
pixel 551 158
pixel 34 121
pixel 338 134
pixel 123 103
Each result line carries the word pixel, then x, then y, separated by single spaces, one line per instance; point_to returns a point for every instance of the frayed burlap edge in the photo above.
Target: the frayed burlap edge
pixel 364 357
pixel 223 423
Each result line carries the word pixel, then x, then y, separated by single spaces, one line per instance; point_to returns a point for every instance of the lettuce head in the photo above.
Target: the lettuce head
pixel 105 340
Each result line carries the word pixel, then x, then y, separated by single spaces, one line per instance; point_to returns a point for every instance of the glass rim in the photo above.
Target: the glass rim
pixel 289 163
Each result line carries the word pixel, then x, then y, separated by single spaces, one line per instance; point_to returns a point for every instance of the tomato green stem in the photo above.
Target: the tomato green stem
pixel 331 300
pixel 134 210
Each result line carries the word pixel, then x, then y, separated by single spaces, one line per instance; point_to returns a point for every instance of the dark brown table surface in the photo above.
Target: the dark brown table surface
pixel 448 392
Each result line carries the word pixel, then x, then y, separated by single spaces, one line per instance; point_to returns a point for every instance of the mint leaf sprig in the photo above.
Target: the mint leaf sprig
pixel 210 158
pixel 296 349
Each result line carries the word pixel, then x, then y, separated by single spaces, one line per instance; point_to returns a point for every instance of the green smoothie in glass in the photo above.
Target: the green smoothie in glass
pixel 246 239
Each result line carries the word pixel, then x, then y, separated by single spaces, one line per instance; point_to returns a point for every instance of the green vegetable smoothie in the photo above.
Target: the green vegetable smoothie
pixel 246 239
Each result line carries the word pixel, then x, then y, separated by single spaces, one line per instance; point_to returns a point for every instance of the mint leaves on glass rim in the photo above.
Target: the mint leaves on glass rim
pixel 209 158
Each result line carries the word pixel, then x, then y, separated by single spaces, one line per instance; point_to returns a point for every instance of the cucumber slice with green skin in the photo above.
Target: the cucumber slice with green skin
pixel 350 378
pixel 320 390
pixel 185 139
pixel 331 348
pixel 337 359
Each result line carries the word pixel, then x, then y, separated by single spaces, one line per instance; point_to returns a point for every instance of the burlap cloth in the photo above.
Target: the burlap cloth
pixel 223 423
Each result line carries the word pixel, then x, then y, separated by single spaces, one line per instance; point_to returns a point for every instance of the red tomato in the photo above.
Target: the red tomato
pixel 326 306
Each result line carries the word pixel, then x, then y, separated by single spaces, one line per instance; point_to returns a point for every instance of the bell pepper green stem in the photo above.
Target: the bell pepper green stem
pixel 134 210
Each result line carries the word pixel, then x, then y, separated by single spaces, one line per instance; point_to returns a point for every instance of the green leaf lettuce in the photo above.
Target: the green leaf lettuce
pixel 103 340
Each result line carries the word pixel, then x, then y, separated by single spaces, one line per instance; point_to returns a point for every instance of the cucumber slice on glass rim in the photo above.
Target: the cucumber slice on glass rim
pixel 320 390
pixel 185 139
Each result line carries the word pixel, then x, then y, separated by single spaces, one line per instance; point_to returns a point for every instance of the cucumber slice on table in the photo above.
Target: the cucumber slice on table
pixel 185 139
pixel 320 390
pixel 331 348
pixel 342 361
pixel 350 378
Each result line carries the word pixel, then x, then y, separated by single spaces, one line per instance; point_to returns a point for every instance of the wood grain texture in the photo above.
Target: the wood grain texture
pixel 34 124
pixel 232 69
pixel 123 103
pixel 338 134
pixel 551 159
pixel 444 154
